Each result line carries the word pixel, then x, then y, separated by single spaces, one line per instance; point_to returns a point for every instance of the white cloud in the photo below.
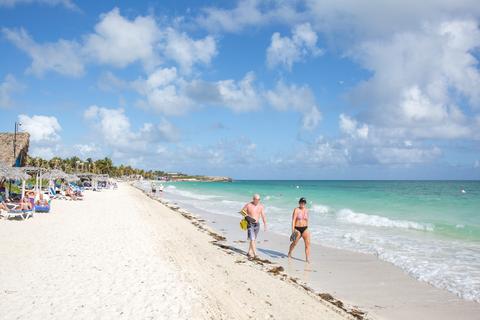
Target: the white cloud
pixel 113 125
pixel 417 95
pixel 350 20
pixel 116 41
pixel 351 127
pixel 246 14
pixel 162 93
pixel 402 156
pixel 421 55
pixel 66 3
pixel 42 129
pixel 326 153
pixel 119 41
pixel 239 96
pixel 115 130
pixel 61 56
pixel 7 88
pixel 288 50
pixel 86 150
pixel 186 51
pixel 298 98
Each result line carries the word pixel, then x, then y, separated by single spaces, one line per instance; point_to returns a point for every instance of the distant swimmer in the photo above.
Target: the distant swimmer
pixel 300 228
pixel 254 210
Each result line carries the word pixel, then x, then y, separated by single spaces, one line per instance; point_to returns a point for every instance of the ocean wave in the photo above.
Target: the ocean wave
pixel 349 216
pixel 191 195
pixel 320 208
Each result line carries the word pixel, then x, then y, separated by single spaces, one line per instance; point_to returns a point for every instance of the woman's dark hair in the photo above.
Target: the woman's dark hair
pixel 302 200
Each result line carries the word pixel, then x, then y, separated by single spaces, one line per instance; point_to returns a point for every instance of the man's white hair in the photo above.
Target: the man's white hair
pixel 256 196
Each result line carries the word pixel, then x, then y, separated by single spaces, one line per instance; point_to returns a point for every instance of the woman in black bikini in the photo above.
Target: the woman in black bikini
pixel 300 228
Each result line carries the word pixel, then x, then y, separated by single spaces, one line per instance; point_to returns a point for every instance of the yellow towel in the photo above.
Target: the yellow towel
pixel 243 224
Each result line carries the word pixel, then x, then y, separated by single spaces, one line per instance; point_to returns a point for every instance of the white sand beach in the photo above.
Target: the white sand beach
pixel 121 255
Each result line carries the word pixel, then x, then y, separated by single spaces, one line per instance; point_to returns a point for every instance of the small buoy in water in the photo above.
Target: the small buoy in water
pixel 463 191
pixel 298 187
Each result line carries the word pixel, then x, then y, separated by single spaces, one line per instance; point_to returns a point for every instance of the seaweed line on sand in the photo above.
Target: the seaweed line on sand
pixel 264 264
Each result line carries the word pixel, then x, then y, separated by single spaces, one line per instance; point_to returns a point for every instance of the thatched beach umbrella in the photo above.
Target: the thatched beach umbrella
pixel 37 171
pixel 54 175
pixel 14 173
pixel 71 178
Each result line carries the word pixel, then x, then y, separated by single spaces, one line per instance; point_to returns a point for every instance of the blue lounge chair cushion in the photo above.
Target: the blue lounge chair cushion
pixel 42 208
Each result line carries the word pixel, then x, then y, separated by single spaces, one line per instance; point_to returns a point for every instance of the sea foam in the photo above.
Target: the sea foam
pixel 349 216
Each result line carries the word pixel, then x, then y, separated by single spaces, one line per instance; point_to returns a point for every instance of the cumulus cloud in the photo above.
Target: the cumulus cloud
pixel 86 150
pixel 44 134
pixel 186 51
pixel 119 41
pixel 248 13
pixel 288 50
pixel 162 90
pixel 237 95
pixel 66 3
pixel 422 56
pixel 418 93
pixel 298 98
pixel 42 129
pixel 8 87
pixel 351 127
pixel 61 56
pixel 116 131
pixel 350 21
pixel 116 41
pixel 402 156
pixel 169 93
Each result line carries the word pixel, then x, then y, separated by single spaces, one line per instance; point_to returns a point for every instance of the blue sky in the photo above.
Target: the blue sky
pixel 251 89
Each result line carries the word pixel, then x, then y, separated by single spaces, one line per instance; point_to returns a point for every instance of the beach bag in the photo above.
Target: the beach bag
pixel 243 224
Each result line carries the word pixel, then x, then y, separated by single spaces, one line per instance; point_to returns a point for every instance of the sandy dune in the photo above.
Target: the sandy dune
pixel 121 255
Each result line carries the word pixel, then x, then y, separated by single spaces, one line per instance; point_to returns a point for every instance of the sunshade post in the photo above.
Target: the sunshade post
pixel 23 188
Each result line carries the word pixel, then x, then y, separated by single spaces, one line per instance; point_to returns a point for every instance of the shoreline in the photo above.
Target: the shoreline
pixel 361 280
pixel 265 265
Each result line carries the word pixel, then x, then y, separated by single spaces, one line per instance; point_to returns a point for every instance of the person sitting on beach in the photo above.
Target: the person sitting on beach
pixel 41 201
pixel 3 205
pixel 299 228
pixel 24 204
pixel 254 210
pixel 69 193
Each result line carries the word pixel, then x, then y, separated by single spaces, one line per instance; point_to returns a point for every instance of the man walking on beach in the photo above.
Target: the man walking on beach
pixel 254 210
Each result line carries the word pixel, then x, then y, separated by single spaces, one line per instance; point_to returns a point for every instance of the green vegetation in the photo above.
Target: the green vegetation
pixel 100 166
pixel 105 166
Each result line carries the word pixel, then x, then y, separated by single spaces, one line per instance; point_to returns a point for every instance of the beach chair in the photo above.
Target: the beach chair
pixel 13 213
pixel 54 195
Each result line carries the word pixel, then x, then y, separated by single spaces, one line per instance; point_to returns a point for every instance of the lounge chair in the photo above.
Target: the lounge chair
pixel 13 212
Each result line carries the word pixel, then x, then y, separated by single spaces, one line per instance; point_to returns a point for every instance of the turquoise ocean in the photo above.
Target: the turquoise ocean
pixel 430 229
